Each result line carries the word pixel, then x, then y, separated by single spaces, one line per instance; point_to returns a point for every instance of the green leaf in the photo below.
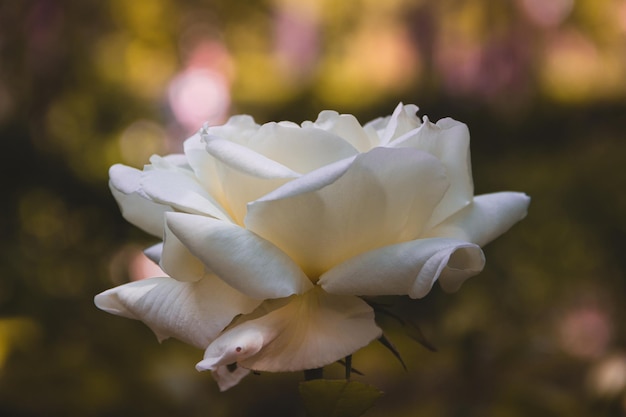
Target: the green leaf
pixel 337 398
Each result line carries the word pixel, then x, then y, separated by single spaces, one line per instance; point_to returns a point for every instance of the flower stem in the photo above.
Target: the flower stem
pixel 311 374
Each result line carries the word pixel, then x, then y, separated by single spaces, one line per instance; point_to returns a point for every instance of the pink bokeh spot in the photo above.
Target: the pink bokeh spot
pixel 197 96
pixel 140 267
pixel 585 332
pixel 547 13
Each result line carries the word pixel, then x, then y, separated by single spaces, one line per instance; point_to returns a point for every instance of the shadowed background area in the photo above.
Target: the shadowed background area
pixel 84 85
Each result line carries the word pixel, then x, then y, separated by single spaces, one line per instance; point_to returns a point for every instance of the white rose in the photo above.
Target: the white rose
pixel 272 233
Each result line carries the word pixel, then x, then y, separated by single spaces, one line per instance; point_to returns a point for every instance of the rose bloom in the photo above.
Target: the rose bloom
pixel 272 234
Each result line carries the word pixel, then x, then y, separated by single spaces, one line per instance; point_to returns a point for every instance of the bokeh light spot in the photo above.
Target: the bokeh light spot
pixel 547 13
pixel 585 332
pixel 15 333
pixel 197 96
pixel 608 377
pixel 140 140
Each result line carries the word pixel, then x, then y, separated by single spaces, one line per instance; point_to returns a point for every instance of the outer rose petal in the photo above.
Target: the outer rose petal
pixel 194 312
pixel 227 376
pixel 154 252
pixel 312 330
pixel 406 268
pixel 489 216
pixel 448 140
pixel 178 262
pixel 135 205
pixel 246 261
pixel 321 219
pixel 181 190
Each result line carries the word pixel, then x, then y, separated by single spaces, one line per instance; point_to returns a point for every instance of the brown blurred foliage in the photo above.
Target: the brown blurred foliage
pixel 86 84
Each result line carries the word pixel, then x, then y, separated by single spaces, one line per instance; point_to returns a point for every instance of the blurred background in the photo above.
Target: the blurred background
pixel 541 84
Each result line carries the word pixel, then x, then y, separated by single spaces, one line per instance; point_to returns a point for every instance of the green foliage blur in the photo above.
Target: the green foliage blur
pixel 86 84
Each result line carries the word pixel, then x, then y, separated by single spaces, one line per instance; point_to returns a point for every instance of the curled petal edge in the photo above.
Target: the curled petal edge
pixel 409 268
pixel 487 217
pixel 227 376
pixel 136 206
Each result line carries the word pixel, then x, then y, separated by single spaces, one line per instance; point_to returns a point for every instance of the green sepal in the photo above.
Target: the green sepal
pixel 412 329
pixel 392 348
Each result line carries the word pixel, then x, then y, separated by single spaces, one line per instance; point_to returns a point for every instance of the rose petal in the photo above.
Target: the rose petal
pixel 312 330
pixel 489 216
pixel 406 268
pixel 238 128
pixel 385 196
pixel 204 167
pixel 154 252
pixel 402 120
pixel 135 205
pixel 181 190
pixel 194 312
pixel 377 125
pixel 381 127
pixel 241 188
pixel 296 150
pixel 246 261
pixel 228 376
pixel 448 141
pixel 310 183
pixel 345 126
pixel 245 159
pixel 178 262
pixel 464 263
pixel 243 173
pixel 302 149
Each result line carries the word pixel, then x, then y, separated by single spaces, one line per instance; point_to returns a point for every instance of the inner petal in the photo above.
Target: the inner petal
pixel 386 196
pixel 448 140
pixel 302 149
pixel 344 125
